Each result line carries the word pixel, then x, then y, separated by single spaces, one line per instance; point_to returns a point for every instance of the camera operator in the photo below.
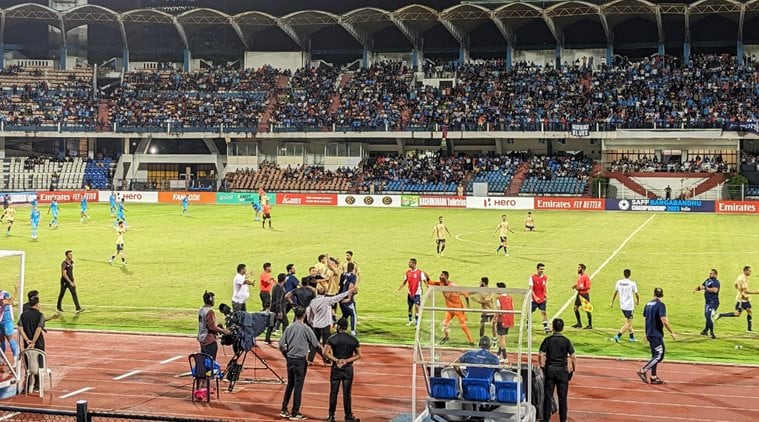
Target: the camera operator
pixel 295 344
pixel 207 327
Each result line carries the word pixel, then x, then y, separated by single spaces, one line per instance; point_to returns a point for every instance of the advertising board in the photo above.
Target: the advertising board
pixel 379 201
pixel 242 197
pixel 20 197
pixel 737 207
pixel 328 199
pixel 193 197
pixel 499 203
pixel 130 196
pixel 576 204
pixel 64 196
pixel 430 201
pixel 660 205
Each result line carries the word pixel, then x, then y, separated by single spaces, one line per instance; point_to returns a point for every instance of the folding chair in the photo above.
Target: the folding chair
pixel 202 369
pixel 35 361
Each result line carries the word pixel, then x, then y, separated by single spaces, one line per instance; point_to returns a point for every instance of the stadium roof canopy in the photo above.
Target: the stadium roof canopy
pixel 412 20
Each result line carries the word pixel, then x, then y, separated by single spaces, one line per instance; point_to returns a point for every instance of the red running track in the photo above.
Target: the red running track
pixel 142 374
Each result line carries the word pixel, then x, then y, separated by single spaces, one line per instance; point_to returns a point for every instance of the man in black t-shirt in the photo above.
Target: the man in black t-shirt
pixel 32 324
pixel 342 350
pixel 68 283
pixel 554 352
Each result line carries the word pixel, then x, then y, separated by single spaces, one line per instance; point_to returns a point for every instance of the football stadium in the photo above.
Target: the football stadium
pixel 379 210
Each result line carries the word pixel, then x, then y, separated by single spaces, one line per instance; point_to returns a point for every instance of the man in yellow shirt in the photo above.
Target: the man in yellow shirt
pixel 503 232
pixel 488 303
pixel 8 216
pixel 440 232
pixel 742 298
pixel 120 230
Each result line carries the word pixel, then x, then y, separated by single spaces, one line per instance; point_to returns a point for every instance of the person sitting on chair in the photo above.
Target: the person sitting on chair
pixel 482 356
pixel 207 327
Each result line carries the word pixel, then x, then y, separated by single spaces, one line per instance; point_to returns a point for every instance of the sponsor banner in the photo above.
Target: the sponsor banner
pixel 242 197
pixel 193 197
pixel 660 205
pixel 499 203
pixel 64 196
pixel 429 201
pixel 580 130
pixel 329 199
pixel 20 197
pixel 737 207
pixel 409 200
pixel 580 204
pixel 129 196
pixel 386 201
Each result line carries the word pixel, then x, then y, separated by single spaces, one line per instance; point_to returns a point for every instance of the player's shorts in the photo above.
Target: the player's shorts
pixel 84 210
pixel 577 298
pixel 536 305
pixel 450 315
pixel 504 239
pixel 743 306
pixel 267 215
pixel 7 327
pixel 439 241
pixel 501 330
pixel 119 247
pixel 627 314
pixel 530 228
pixel 10 222
pixel 414 300
pixel 35 224
pixel 485 318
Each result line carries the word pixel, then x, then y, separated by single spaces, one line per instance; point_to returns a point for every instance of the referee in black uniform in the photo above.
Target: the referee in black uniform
pixel 342 350
pixel 553 359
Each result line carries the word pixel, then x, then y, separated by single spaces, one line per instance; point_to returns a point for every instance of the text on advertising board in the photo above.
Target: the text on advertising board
pixel 569 204
pixel 442 201
pixel 660 205
pixel 66 196
pixel 306 199
pixel 737 207
pixel 193 197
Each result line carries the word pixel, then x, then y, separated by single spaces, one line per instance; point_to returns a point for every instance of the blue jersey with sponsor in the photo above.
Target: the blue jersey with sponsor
pixel 653 312
pixel 185 201
pixel 120 211
pixel 112 200
pixel 35 216
pixel 54 208
pixel 83 203
pixel 34 202
pixel 256 206
pixel 711 298
pixel 483 357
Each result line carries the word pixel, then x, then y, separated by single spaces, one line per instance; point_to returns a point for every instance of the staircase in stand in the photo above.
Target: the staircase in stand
pixel 629 183
pixel 594 172
pixel 103 121
pixel 263 122
pixel 516 182
pixel 714 180
pixel 334 105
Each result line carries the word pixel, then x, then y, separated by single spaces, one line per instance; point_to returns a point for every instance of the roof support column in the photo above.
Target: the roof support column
pixel 660 29
pixel 62 57
pixel 186 59
pixel 125 59
pixel 686 43
pixel 508 35
pixel 739 46
pixel 417 53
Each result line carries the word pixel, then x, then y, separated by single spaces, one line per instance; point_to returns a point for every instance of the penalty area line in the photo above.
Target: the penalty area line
pixel 603 264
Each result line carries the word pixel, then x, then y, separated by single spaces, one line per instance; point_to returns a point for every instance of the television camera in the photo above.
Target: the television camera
pixel 244 327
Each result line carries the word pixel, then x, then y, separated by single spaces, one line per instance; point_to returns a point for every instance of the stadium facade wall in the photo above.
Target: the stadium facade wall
pixel 291 60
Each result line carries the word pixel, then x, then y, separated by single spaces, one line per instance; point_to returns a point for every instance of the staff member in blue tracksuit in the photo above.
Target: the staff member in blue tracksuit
pixel 655 313
pixel 710 286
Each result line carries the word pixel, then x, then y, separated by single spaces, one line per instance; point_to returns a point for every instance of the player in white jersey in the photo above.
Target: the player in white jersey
pixel 628 299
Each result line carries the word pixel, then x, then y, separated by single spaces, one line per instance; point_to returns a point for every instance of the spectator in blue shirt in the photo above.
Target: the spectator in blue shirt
pixel 481 356
pixel 710 286
pixel 655 313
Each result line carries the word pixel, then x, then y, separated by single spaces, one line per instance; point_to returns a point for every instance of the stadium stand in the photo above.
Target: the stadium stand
pixel 42 173
pixel 300 178
pixel 713 164
pixel 557 175
pixel 305 103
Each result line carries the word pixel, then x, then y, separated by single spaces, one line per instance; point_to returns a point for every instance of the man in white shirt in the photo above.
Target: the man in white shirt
pixel 626 289
pixel 240 288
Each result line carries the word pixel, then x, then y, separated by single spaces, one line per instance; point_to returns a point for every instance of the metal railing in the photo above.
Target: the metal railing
pixel 82 414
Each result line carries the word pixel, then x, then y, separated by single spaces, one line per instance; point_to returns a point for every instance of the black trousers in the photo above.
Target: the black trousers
pixel 39 362
pixel 210 349
pixel 64 286
pixel 277 321
pixel 322 334
pixel 342 376
pixel 239 307
pixel 296 378
pixel 556 377
pixel 265 300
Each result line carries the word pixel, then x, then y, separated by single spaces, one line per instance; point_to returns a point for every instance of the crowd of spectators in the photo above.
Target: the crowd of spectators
pixel 305 103
pixel 644 164
pixel 543 167
pixel 711 91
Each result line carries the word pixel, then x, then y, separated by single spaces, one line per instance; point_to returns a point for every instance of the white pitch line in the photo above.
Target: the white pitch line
pixel 163 362
pixel 73 393
pixel 603 264
pixel 128 374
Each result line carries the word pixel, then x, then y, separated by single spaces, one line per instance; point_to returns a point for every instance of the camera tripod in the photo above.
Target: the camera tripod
pixel 236 366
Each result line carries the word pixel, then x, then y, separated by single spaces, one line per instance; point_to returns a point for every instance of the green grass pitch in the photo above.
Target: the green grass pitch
pixel 173 259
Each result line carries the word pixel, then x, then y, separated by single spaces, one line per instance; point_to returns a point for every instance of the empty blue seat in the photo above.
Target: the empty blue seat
pixel 475 389
pixel 506 392
pixel 443 388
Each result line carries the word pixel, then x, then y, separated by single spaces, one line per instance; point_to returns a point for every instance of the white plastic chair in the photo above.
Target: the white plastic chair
pixel 36 365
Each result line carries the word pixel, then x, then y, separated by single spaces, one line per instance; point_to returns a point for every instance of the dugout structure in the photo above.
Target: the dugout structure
pixel 10 386
pixel 433 360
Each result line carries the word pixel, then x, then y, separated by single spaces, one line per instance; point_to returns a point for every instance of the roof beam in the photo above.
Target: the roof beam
pixel 122 29
pixel 239 33
pixel 2 27
pixel 181 32
pixel 552 27
pixel 659 25
pixel 506 31
pixel 458 33
pixel 361 35
pixel 291 32
pixel 605 25
pixel 407 30
pixel 741 19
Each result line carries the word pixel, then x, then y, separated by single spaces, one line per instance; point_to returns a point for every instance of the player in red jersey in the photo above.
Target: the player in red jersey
pixel 414 278
pixel 583 292
pixel 503 321
pixel 539 284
